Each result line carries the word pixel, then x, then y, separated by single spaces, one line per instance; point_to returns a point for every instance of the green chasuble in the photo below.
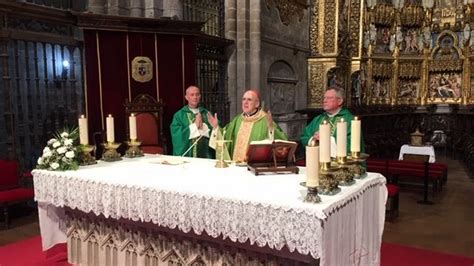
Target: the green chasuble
pixel 242 130
pixel 180 134
pixel 314 126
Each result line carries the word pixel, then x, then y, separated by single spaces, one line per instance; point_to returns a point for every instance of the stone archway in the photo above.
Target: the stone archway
pixel 281 83
pixel 281 86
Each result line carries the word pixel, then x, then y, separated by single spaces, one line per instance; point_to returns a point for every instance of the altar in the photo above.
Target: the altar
pixel 163 209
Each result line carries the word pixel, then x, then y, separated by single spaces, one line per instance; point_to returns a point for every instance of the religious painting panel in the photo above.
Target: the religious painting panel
pixel 412 42
pixel 380 89
pixel 382 42
pixel 409 82
pixel 334 77
pixel 357 87
pixel 445 80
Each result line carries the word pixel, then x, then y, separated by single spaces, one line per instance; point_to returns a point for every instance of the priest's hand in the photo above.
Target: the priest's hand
pixel 198 120
pixel 269 120
pixel 316 135
pixel 213 120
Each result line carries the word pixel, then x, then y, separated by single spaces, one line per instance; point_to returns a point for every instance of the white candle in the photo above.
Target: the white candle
pixel 83 131
pixel 324 142
pixel 355 134
pixel 312 166
pixel 341 138
pixel 110 129
pixel 132 121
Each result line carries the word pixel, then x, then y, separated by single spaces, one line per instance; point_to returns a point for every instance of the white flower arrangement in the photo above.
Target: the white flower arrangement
pixel 60 153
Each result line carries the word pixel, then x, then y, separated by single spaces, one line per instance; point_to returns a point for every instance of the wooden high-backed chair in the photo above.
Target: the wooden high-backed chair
pixel 149 113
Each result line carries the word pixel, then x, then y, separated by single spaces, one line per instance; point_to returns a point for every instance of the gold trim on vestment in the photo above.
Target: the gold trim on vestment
pixel 243 136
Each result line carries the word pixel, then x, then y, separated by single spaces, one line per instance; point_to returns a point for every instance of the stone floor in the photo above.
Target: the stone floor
pixel 447 225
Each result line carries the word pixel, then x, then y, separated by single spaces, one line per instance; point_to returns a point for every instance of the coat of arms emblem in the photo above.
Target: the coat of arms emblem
pixel 142 69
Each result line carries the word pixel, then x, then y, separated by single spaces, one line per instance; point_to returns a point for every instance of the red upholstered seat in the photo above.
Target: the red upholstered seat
pixel 392 190
pixel 8 174
pixel 10 191
pixel 149 113
pixel 16 195
pixel 392 201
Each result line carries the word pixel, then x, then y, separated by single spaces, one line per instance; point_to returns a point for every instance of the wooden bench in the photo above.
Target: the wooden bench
pixel 418 171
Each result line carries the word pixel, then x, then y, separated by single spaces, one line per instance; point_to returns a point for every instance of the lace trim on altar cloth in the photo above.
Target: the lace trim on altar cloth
pixel 275 226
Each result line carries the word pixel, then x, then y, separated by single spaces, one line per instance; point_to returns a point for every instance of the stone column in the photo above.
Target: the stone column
pixel 173 8
pixel 154 8
pixel 231 33
pixel 256 81
pixel 137 8
pixel 97 6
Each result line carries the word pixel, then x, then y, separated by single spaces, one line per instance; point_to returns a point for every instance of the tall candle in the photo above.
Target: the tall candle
pixel 341 138
pixel 110 128
pixel 83 131
pixel 324 142
pixel 312 166
pixel 132 121
pixel 355 134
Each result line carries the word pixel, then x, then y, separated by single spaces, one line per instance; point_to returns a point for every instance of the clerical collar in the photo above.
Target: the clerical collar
pixel 333 115
pixel 194 110
pixel 252 114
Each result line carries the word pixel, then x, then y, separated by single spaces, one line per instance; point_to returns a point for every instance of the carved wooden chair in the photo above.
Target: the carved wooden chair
pixel 10 191
pixel 149 113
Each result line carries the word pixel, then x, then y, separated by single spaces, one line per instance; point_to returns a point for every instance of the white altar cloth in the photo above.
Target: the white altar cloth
pixel 266 210
pixel 419 150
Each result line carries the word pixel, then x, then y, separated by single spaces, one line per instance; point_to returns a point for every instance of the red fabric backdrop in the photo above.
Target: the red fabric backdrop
pixel 172 52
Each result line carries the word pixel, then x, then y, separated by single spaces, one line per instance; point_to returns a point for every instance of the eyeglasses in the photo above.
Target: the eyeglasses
pixel 330 97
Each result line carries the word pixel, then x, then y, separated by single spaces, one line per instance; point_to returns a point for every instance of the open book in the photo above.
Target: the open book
pixel 274 153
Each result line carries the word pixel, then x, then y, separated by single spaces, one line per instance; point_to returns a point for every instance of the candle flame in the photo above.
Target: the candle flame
pixel 82 116
pixel 342 120
pixel 325 122
pixel 110 115
pixel 356 118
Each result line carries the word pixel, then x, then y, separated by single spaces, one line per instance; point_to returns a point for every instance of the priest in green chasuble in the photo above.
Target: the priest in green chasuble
pixel 190 128
pixel 253 124
pixel 332 105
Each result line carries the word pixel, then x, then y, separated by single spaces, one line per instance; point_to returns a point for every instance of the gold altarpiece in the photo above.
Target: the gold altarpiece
pixel 393 52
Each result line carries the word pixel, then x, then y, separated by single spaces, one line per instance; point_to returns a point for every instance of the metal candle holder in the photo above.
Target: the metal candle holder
pixel 357 168
pixel 221 163
pixel 343 174
pixel 134 149
pixel 328 184
pixel 311 195
pixel 111 154
pixel 86 157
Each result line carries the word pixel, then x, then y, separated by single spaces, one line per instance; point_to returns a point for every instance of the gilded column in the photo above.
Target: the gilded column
pixel 329 44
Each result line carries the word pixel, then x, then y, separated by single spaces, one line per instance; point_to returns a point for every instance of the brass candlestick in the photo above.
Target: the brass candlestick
pixel 328 184
pixel 221 163
pixel 357 168
pixel 311 195
pixel 133 149
pixel 111 154
pixel 85 156
pixel 345 177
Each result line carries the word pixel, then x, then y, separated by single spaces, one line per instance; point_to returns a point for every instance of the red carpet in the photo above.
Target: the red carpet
pixel 395 255
pixel 28 252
